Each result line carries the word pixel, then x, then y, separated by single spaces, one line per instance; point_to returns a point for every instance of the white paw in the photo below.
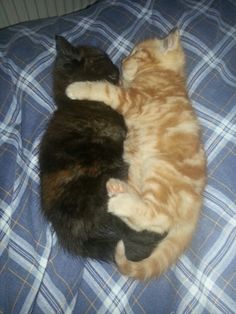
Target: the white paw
pixel 122 205
pixel 116 206
pixel 72 90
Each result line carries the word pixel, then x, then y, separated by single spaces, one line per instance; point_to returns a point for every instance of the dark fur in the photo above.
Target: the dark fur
pixel 81 149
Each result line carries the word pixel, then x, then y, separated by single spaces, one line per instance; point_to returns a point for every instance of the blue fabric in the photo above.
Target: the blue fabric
pixel 36 276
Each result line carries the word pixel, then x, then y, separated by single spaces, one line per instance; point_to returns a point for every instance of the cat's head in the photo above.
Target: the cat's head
pixel 82 63
pixel 167 53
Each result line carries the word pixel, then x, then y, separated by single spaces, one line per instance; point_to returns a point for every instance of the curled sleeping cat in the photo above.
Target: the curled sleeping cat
pixel 163 148
pixel 81 149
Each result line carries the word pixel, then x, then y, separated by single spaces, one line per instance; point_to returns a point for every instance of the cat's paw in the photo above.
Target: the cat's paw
pixel 123 205
pixel 73 90
pixel 118 205
pixel 115 186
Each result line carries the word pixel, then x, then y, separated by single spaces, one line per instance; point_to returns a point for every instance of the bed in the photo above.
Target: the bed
pixel 36 275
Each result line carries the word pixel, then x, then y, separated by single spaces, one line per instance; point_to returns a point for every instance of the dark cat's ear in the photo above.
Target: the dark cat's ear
pixel 63 46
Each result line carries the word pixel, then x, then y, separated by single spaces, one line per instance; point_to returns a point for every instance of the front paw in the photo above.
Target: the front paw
pixel 121 205
pixel 124 206
pixel 72 90
pixel 115 207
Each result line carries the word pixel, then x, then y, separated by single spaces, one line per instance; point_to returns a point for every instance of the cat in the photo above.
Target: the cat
pixel 81 149
pixel 163 147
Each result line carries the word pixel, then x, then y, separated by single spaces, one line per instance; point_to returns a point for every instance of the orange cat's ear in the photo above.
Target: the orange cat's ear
pixel 171 42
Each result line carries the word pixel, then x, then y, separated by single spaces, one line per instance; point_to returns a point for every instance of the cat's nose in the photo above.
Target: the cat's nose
pixel 112 76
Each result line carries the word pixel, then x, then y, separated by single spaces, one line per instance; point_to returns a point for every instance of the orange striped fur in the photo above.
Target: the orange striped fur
pixel 167 161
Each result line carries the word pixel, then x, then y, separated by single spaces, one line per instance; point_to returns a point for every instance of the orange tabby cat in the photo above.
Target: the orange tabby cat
pixel 163 148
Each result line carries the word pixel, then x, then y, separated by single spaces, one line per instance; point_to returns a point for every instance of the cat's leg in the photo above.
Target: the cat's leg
pixel 103 91
pixel 127 204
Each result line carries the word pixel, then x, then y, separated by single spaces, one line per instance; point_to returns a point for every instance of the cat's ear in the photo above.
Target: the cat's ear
pixel 171 42
pixel 63 46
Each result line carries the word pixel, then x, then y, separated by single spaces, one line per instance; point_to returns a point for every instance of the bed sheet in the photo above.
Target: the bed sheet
pixel 36 276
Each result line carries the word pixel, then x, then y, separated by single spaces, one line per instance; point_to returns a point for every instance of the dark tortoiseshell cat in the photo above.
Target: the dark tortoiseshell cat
pixel 81 149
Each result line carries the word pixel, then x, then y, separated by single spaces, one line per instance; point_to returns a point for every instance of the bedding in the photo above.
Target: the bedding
pixel 36 275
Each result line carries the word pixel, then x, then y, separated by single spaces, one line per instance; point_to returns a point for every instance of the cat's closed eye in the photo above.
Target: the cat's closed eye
pixel 71 62
pixel 139 52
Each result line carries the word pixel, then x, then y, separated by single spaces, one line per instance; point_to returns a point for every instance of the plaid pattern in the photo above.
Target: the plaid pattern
pixel 35 274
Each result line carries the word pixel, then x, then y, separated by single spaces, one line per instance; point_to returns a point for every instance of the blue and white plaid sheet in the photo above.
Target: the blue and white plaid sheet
pixel 36 276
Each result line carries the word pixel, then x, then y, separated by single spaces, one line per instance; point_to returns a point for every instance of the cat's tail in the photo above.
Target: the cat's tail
pixel 163 256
